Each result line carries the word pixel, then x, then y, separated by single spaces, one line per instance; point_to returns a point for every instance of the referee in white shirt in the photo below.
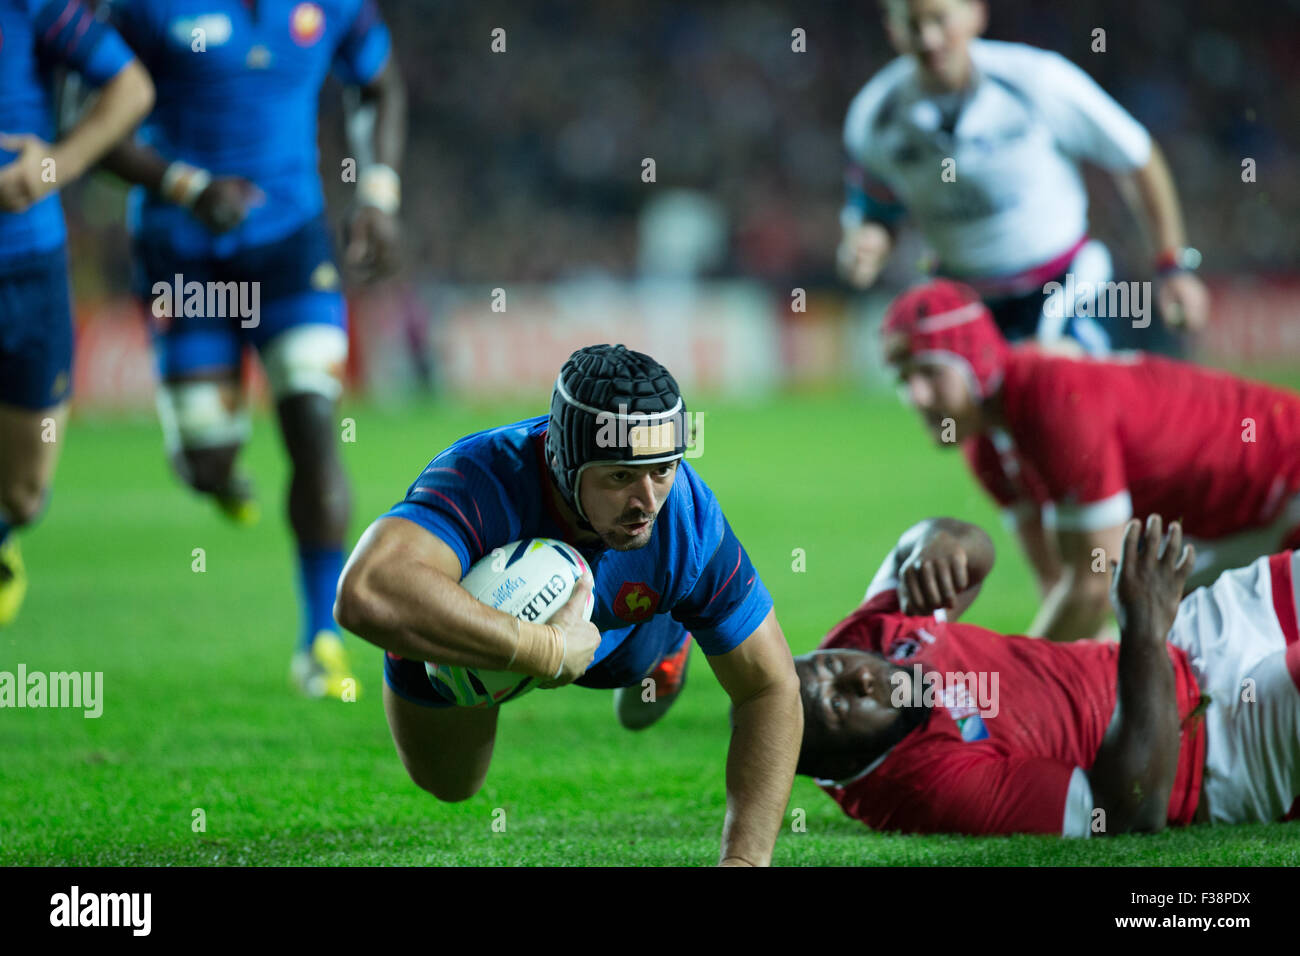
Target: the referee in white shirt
pixel 980 142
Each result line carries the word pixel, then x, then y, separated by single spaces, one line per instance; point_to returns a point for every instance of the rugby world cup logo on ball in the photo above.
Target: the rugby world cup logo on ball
pixel 534 580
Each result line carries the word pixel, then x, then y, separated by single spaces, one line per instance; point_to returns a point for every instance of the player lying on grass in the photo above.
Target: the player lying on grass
pixel 915 722
pixel 1071 448
pixel 603 472
pixel 981 142
pixel 36 334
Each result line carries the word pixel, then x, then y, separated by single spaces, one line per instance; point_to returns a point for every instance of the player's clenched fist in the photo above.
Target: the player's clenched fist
pixel 373 244
pixel 22 181
pixel 579 637
pixel 226 202
pixel 1147 582
pixel 863 252
pixel 935 573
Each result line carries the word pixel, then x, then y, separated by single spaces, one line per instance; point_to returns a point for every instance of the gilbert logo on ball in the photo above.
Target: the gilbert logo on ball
pixel 536 578
pixel 306 24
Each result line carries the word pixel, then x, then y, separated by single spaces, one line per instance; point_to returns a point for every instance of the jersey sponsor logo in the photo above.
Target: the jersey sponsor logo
pixel 636 601
pixel 214 28
pixel 306 24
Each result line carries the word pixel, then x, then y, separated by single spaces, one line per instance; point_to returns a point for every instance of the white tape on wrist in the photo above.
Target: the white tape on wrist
pixel 381 187
pixel 183 184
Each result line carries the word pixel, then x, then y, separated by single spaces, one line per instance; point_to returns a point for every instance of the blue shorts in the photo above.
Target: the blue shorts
pixel 639 653
pixel 35 330
pixel 291 282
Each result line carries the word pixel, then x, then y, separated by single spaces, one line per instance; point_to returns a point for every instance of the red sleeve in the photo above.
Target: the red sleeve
pixel 1065 421
pixel 947 785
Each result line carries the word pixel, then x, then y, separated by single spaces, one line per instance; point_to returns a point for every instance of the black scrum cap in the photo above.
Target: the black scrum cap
pixel 612 406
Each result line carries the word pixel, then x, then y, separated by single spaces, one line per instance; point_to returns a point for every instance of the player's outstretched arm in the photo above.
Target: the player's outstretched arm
pixel 401 591
pixel 941 563
pixel 766 730
pixel 122 103
pixel 1133 773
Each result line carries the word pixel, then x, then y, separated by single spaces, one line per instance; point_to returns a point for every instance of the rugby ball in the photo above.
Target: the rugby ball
pixel 530 579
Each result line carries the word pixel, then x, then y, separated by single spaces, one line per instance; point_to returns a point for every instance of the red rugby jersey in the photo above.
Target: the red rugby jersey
pixel 1134 434
pixel 1007 770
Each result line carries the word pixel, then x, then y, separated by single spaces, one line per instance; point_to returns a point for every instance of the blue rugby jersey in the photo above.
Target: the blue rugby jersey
pixel 245 104
pixel 35 35
pixel 490 488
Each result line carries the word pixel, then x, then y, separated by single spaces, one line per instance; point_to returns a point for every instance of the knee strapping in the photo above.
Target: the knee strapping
pixel 201 415
pixel 306 358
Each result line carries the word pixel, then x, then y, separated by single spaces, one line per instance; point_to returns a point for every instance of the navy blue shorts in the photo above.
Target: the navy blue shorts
pixel 35 330
pixel 638 654
pixel 297 283
pixel 1019 317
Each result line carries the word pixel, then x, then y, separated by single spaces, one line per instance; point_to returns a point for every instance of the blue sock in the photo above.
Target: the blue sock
pixel 318 577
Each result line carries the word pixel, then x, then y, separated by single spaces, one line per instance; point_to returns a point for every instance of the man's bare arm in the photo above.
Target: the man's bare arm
pixel 767 727
pixel 119 106
pixel 376 118
pixel 1152 196
pixel 376 131
pixel 1133 774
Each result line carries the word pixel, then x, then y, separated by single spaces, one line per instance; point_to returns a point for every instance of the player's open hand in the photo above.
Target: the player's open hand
pixel 934 574
pixel 373 244
pixel 227 202
pixel 863 253
pixel 1147 582
pixel 581 637
pixel 24 181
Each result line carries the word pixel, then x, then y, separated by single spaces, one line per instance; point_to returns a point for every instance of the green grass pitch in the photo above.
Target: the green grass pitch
pixel 198 712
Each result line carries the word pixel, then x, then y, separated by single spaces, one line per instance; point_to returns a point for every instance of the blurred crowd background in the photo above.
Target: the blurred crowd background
pixel 525 166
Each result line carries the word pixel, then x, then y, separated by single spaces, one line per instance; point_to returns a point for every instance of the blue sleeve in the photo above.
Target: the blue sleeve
pixel 131 20
pixel 873 200
pixel 459 501
pixel 67 32
pixel 363 49
pixel 729 599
